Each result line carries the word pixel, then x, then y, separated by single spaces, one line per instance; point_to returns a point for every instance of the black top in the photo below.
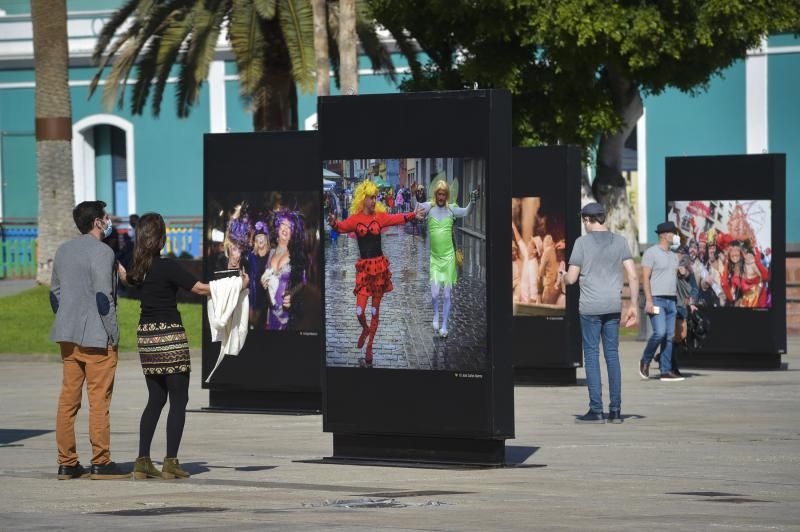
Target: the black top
pixel 159 288
pixel 369 245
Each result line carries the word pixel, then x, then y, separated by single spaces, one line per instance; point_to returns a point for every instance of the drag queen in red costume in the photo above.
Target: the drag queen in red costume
pixel 373 277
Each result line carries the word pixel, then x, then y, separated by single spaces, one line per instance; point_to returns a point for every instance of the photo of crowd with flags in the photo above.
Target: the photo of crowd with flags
pixel 727 245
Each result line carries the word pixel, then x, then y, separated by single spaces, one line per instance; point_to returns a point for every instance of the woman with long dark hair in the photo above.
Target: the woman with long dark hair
pixel 285 274
pixel 163 347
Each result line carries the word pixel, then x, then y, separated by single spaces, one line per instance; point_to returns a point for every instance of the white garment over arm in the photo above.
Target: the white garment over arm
pixel 228 313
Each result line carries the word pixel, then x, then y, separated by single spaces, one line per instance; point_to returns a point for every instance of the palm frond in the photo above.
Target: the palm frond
pixel 375 50
pixel 110 28
pixel 207 18
pixel 248 45
pixel 147 68
pixel 297 25
pixel 408 49
pixel 266 9
pixel 172 39
pixel 121 40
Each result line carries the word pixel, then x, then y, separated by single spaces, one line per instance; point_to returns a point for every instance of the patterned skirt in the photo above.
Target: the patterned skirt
pixel 163 348
pixel 373 277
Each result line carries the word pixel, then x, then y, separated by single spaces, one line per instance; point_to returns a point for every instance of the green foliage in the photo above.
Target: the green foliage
pixel 556 56
pixel 166 33
pixel 27 319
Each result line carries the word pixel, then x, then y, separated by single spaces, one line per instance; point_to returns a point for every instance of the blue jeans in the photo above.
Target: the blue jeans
pixel 663 330
pixel 593 328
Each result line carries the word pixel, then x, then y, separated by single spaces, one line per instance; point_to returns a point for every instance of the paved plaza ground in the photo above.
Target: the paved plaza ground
pixel 719 451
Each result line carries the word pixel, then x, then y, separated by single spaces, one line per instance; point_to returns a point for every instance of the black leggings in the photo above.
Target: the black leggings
pixel 176 386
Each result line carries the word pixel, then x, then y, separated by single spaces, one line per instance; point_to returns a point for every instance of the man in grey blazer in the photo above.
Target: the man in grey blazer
pixel 83 299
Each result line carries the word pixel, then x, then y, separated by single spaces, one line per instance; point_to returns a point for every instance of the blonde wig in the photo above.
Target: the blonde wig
pixel 441 185
pixel 364 190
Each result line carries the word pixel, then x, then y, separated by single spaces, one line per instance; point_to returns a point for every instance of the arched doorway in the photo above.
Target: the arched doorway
pixel 103 162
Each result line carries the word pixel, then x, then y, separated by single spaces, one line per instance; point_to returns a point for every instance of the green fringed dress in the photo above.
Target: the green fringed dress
pixel 443 269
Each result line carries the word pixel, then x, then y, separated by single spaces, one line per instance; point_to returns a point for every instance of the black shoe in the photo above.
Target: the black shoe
pixel 108 471
pixel 591 417
pixel 644 369
pixel 671 376
pixel 67 472
pixel 614 416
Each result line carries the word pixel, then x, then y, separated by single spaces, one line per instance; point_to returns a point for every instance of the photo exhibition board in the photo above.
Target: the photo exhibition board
pixel 730 214
pixel 261 216
pixel 409 377
pixel 545 208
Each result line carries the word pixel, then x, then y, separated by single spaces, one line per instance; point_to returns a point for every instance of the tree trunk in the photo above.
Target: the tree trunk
pixel 348 47
pixel 320 9
pixel 609 186
pixel 53 132
pixel 275 104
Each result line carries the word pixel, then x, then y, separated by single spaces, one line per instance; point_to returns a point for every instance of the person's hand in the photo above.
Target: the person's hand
pixel 245 280
pixel 648 307
pixel 122 272
pixel 475 195
pixel 631 316
pixel 693 308
pixel 287 301
pixel 332 220
pixel 419 213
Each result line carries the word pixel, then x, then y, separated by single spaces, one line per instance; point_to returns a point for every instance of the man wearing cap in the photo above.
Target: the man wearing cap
pixel 659 280
pixel 596 259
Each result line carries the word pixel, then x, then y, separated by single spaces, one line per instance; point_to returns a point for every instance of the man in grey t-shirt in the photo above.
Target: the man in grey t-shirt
pixel 660 283
pixel 597 260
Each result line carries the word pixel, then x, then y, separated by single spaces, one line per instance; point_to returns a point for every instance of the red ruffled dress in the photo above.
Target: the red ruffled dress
pixel 373 277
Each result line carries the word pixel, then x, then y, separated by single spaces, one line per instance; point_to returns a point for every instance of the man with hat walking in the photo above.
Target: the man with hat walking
pixel 596 259
pixel 659 280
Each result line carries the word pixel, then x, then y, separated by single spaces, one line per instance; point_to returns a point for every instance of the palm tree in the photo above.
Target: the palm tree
pixel 272 40
pixel 323 66
pixel 53 131
pixel 348 54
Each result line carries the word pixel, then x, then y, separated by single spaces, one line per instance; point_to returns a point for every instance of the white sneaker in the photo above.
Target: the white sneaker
pixel 443 332
pixel 435 325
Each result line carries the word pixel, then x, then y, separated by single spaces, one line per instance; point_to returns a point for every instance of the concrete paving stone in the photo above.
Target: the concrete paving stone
pixel 720 450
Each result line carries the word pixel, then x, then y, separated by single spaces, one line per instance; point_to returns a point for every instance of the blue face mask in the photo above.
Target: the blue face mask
pixel 107 229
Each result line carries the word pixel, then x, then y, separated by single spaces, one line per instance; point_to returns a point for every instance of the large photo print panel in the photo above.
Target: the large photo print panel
pixel 727 244
pixel 405 255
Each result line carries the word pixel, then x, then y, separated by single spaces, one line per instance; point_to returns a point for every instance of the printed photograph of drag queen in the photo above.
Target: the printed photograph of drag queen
pixel 537 257
pixel 274 237
pixel 729 248
pixel 405 284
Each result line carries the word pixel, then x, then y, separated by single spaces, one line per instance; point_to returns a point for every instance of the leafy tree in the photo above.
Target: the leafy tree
pixel 577 69
pixel 53 132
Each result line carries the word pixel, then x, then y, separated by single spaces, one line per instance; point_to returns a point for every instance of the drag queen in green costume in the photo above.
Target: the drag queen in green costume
pixel 441 216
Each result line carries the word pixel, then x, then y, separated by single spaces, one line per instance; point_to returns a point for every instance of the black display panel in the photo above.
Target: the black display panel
pixel 545 209
pixel 421 383
pixel 261 215
pixel 730 213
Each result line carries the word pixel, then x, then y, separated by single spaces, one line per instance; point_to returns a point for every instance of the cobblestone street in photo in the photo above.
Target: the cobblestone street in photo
pixel 405 337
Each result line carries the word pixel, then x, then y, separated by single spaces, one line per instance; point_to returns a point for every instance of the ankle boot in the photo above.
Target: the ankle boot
pixel 373 328
pixel 172 469
pixel 144 468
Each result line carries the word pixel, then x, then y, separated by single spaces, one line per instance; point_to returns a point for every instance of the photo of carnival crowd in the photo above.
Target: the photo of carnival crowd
pixel 537 257
pixel 274 238
pixel 725 251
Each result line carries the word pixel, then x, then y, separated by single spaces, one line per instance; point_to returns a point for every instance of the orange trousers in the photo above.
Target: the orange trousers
pixel 97 367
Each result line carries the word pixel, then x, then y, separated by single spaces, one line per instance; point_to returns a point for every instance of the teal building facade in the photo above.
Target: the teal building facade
pixel 143 163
